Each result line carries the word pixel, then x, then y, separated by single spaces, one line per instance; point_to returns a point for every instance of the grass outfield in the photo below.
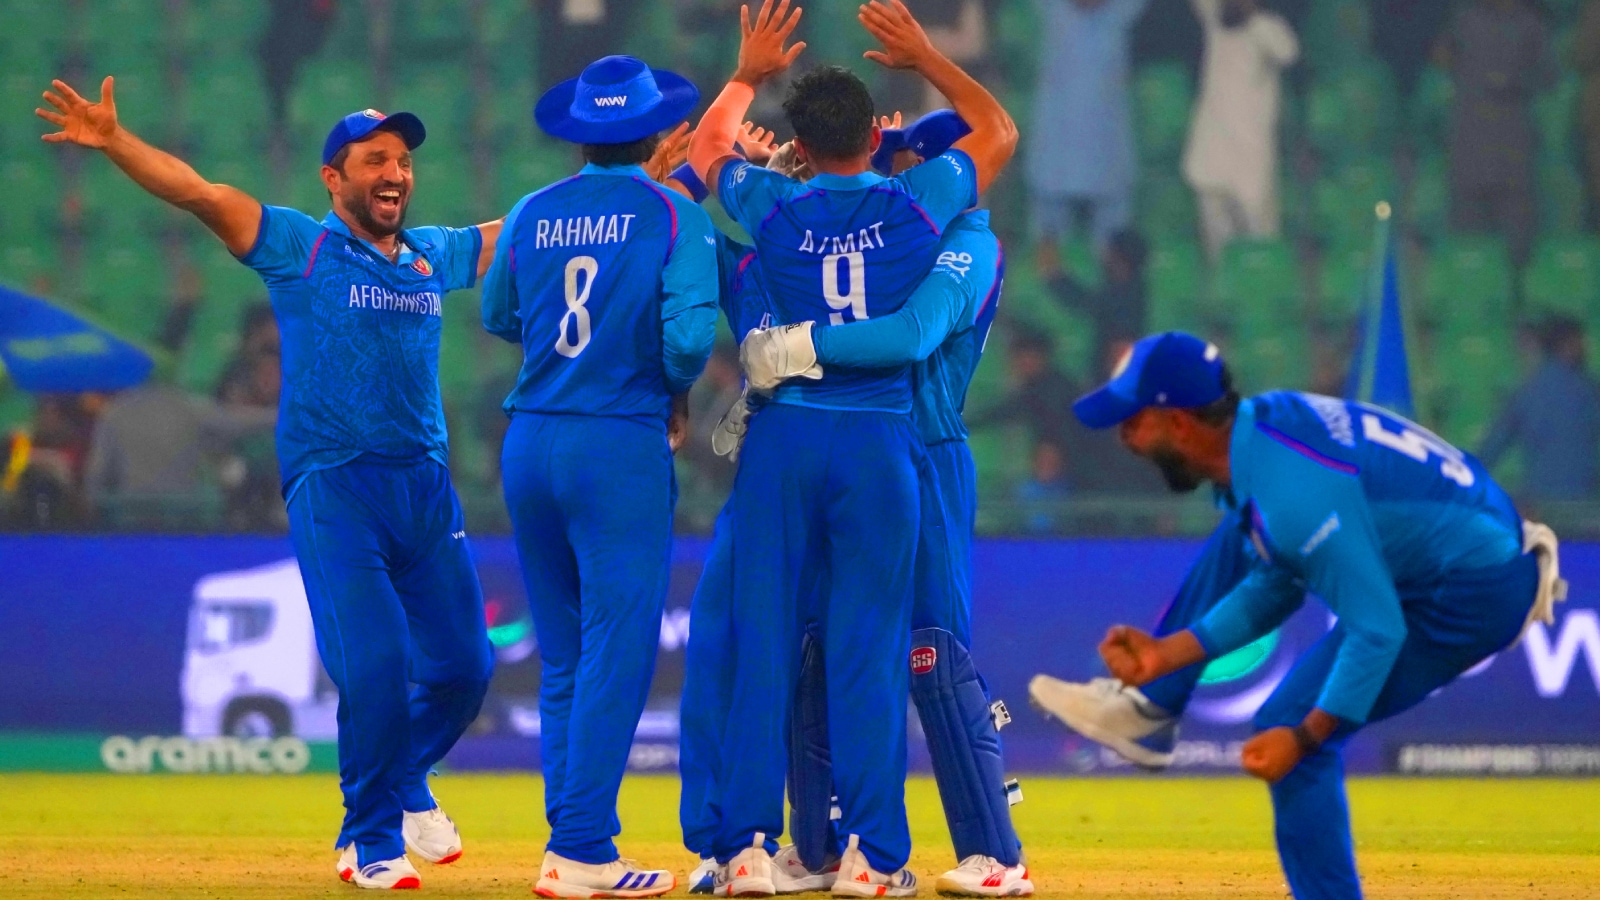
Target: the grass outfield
pixel 268 837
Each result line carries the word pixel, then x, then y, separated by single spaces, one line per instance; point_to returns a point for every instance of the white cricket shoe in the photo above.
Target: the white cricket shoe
pixel 346 866
pixel 432 836
pixel 1109 712
pixel 386 875
pixel 857 878
pixel 790 875
pixel 564 877
pixel 749 874
pixel 703 880
pixel 985 876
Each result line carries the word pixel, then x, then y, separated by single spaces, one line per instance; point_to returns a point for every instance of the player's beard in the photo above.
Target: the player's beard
pixel 1181 478
pixel 360 206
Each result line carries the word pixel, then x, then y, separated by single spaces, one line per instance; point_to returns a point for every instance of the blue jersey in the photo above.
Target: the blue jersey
pixel 1355 504
pixel 841 249
pixel 742 298
pixel 360 338
pixel 609 282
pixel 943 327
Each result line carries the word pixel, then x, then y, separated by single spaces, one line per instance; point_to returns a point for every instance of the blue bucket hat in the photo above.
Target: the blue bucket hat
pixel 616 100
pixel 358 125
pixel 929 136
pixel 1171 369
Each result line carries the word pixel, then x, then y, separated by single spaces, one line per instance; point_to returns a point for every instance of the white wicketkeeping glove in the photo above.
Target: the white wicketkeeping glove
pixel 728 436
pixel 771 356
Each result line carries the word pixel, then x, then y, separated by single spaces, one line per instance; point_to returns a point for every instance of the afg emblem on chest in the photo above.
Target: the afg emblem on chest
pixel 420 264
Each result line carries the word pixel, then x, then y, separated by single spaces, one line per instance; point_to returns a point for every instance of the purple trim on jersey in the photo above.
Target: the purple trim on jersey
pixel 511 258
pixel 738 273
pixel 779 205
pixel 1000 269
pixel 673 210
pixel 314 248
pixel 914 205
pixel 1308 451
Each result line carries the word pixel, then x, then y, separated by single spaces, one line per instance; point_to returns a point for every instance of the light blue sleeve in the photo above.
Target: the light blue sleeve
pixel 690 286
pixel 946 301
pixel 456 253
pixel 498 303
pixel 749 192
pixel 1265 599
pixel 1320 521
pixel 944 187
pixel 283 245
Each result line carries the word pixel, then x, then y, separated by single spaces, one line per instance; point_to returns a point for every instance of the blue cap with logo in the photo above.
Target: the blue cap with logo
pixel 616 100
pixel 1172 369
pixel 927 137
pixel 357 125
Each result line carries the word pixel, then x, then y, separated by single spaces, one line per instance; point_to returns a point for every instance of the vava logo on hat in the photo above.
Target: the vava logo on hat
pixel 616 100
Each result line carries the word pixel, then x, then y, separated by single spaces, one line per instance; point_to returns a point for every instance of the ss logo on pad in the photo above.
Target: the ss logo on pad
pixel 922 660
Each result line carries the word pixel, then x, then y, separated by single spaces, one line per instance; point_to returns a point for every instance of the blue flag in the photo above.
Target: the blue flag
pixel 49 350
pixel 1379 370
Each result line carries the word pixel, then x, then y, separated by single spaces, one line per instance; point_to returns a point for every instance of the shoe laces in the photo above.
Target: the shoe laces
pixel 977 862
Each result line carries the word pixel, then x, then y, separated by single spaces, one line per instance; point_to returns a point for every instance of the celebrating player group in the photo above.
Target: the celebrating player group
pixel 838 583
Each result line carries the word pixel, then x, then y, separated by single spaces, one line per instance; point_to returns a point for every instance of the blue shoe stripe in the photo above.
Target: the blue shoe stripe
pixel 652 881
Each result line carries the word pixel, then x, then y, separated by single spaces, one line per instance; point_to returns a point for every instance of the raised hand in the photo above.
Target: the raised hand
pixel 670 154
pixel 757 143
pixel 1132 655
pixel 761 51
pixel 81 122
pixel 905 44
pixel 887 122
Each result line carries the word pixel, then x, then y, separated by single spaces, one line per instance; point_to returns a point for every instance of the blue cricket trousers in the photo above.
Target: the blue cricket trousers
pixel 398 615
pixel 591 505
pixel 944 552
pixel 840 486
pixel 707 687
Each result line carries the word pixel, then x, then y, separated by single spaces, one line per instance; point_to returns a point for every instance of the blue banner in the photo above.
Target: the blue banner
pixel 208 638
pixel 49 350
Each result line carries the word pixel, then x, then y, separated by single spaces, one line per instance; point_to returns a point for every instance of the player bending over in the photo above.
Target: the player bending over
pixel 609 282
pixel 942 329
pixel 374 521
pixel 1408 540
pixel 832 463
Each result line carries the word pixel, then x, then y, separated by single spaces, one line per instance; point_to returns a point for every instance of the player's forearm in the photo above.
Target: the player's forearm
pixel 232 214
pixel 1179 650
pixel 714 140
pixel 907 336
pixel 994 135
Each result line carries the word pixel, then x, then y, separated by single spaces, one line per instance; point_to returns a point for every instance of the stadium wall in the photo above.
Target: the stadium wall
pixel 141 654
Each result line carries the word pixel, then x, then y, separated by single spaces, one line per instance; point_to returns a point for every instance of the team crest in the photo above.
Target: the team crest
pixel 922 660
pixel 372 114
pixel 422 267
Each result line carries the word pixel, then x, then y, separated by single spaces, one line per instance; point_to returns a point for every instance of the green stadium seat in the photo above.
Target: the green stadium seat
pixel 31 186
pixel 124 283
pixel 211 104
pixel 224 280
pixel 1337 33
pixel 1342 283
pixel 1561 198
pixel 1563 276
pixel 243 170
pixel 442 95
pixel 1274 360
pixel 32 263
pixel 446 192
pixel 1175 286
pixel 1166 207
pixel 509 112
pixel 1346 201
pixel 506 22
pixel 1257 286
pixel 208 26
pixel 459 355
pixel 523 170
pixel 16 406
pixel 1476 371
pixel 1163 94
pixel 1427 207
pixel 213 338
pixel 111 201
pixel 105 24
pixel 1428 113
pixel 30 29
pixel 1468 281
pixel 989 382
pixel 329 89
pixel 1002 457
pixel 1555 114
pixel 437 25
pixel 1352 111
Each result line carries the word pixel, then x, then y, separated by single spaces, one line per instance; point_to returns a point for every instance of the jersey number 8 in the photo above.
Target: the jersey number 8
pixel 588 267
pixel 856 300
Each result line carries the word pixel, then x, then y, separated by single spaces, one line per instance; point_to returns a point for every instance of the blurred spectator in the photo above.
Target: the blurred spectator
pixel 575 33
pixel 1100 464
pixel 960 29
pixel 1232 157
pixel 240 381
pixel 1080 149
pixel 1117 307
pixel 707 478
pixel 249 469
pixel 41 479
pixel 1040 396
pixel 296 30
pixel 1554 419
pixel 1040 495
pixel 1586 58
pixel 1498 54
pixel 152 441
pixel 1404 33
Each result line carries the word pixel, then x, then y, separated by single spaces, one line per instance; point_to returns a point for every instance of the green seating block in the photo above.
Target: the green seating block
pixel 1555 114
pixel 1166 207
pixel 1477 370
pixel 213 339
pixel 31 186
pixel 1346 201
pixel 328 90
pixel 1561 198
pixel 1342 283
pixel 213 96
pixel 1468 281
pixel 1274 360
pixel 527 168
pixel 125 284
pixel 441 94
pixel 210 26
pixel 31 262
pixel 1257 285
pixel 1427 207
pixel 107 23
pixel 435 24
pixel 1563 276
pixel 1163 95
pixel 1175 286
pixel 1428 112
pixel 1352 111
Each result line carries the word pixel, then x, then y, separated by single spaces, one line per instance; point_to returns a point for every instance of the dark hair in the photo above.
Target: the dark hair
pixel 257 315
pixel 633 153
pixel 339 158
pixel 1224 409
pixel 1556 331
pixel 831 113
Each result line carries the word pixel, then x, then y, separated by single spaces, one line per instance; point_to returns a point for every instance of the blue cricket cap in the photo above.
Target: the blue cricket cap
pixel 1172 369
pixel 358 125
pixel 617 100
pixel 929 136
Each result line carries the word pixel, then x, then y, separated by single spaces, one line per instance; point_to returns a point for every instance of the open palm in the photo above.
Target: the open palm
pixel 81 122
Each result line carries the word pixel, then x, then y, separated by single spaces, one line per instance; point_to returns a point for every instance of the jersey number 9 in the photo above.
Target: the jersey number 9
pixel 587 267
pixel 856 300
